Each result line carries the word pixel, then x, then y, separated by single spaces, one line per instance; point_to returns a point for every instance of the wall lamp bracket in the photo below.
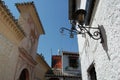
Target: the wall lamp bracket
pixel 95 34
pixel 79 28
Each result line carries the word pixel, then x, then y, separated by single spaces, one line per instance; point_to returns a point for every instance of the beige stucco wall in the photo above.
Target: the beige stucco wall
pixel 41 68
pixel 28 45
pixel 8 46
pixel 30 42
pixel 18 47
pixel 106 56
pixel 8 58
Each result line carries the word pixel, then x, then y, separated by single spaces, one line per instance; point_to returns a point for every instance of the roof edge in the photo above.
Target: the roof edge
pixel 31 3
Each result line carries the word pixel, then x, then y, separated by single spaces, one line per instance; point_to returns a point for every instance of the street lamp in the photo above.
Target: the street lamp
pixel 80 16
pixel 79 27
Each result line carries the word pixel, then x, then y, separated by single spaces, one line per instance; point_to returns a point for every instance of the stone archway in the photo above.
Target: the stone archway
pixel 24 75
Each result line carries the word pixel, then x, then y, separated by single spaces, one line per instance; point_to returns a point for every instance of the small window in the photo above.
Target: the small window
pixel 73 62
pixel 92 73
pixel 90 5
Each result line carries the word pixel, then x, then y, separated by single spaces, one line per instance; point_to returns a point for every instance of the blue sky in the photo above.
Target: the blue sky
pixel 53 15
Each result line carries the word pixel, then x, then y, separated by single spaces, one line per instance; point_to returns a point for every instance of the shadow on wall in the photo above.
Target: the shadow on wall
pixel 104 44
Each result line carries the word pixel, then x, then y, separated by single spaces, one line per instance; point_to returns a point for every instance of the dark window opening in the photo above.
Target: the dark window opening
pixel 92 73
pixel 73 62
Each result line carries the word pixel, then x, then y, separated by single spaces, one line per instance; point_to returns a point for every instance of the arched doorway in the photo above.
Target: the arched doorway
pixel 24 75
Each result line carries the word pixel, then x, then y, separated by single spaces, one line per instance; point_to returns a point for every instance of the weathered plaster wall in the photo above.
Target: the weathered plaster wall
pixel 8 59
pixel 41 68
pixel 30 42
pixel 18 42
pixel 106 56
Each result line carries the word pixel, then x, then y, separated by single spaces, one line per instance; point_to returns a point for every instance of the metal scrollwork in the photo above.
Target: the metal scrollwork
pixel 95 33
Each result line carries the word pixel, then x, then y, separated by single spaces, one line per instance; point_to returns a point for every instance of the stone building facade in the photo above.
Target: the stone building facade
pixel 18 43
pixel 41 68
pixel 101 61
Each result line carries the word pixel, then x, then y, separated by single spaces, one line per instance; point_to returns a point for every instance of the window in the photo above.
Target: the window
pixel 73 62
pixel 90 6
pixel 92 73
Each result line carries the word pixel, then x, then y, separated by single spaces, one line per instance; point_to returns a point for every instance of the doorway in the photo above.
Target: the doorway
pixel 24 75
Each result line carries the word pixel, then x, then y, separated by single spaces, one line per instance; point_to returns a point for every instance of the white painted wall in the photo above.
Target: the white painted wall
pixel 108 15
pixel 65 62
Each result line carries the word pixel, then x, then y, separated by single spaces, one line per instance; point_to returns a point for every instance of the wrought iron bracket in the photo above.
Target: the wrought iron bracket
pixel 95 34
